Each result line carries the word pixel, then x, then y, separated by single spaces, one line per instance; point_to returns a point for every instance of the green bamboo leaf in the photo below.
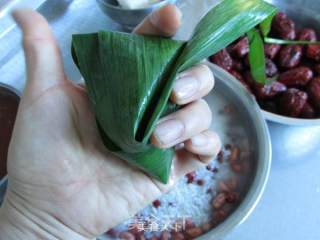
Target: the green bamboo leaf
pixel 288 42
pixel 256 56
pixel 265 26
pixel 129 77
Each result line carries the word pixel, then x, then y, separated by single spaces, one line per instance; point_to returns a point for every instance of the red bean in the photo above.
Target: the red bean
pixel 165 235
pixel 232 197
pixel 234 154
pixel 222 59
pixel 314 92
pixel 313 52
pixel 200 182
pixel 206 227
pixel 190 177
pixel 219 200
pixel 112 232
pixel 271 50
pixel 178 236
pixel 156 203
pixel 290 56
pixel 267 91
pixel 232 184
pixel 140 237
pixel 292 102
pixel 220 156
pixel 127 236
pixel 154 238
pixel 220 215
pixel 236 167
pixel 223 186
pixel 194 232
pixel 283 26
pixel 299 76
pixel 189 223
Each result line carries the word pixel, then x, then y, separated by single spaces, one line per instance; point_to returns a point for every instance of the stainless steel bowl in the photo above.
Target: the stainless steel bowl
pixel 279 118
pixel 258 138
pixel 3 181
pixel 3 188
pixel 128 18
pixel 306 14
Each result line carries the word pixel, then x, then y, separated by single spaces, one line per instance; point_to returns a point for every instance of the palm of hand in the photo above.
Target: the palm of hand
pixel 69 167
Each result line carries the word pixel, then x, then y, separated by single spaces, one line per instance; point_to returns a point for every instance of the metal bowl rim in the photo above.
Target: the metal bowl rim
pixel 152 6
pixel 257 187
pixel 11 89
pixel 289 120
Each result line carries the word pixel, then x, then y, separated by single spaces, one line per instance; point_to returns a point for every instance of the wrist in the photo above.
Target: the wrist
pixel 18 222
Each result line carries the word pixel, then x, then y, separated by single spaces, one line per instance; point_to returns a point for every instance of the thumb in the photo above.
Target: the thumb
pixel 43 58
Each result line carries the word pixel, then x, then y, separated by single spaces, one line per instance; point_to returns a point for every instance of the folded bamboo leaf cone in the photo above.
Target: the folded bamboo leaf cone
pixel 129 77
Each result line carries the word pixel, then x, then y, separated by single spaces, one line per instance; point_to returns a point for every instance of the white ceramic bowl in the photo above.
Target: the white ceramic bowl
pixel 305 13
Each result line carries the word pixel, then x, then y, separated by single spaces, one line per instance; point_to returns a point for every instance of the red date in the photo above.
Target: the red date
pixel 283 26
pixel 317 69
pixel 238 65
pixel 241 79
pixel 269 106
pixel 290 56
pixel 268 91
pixel 271 50
pixel 308 111
pixel 241 48
pixel 249 79
pixel 307 34
pixel 246 61
pixel 271 68
pixel 222 59
pixel 314 91
pixel 313 52
pixel 299 76
pixel 292 102
pixel 237 75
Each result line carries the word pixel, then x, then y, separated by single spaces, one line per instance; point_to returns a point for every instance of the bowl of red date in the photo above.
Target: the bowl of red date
pixel 293 98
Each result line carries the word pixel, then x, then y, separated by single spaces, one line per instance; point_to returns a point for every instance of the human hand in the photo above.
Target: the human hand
pixel 63 183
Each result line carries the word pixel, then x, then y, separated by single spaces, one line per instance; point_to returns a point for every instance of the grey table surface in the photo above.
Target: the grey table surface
pixel 290 206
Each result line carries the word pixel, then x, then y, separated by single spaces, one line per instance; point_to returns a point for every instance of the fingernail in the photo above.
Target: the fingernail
pixel 15 14
pixel 179 13
pixel 199 140
pixel 155 16
pixel 19 13
pixel 169 131
pixel 185 87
